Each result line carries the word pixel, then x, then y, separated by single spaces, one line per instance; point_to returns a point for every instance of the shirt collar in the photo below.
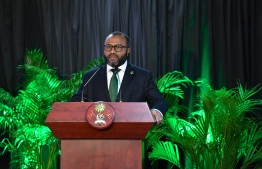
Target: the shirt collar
pixel 122 67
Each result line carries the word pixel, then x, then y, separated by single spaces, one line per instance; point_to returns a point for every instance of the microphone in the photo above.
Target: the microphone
pixel 120 97
pixel 82 99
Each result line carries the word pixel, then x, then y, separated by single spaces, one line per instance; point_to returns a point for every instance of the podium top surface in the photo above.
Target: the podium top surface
pixel 67 120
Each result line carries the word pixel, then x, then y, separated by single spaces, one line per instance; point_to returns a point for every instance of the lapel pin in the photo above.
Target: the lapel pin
pixel 132 72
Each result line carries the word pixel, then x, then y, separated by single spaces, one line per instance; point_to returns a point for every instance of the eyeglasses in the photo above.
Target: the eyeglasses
pixel 117 48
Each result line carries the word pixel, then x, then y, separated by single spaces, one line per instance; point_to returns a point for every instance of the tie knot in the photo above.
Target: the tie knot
pixel 115 71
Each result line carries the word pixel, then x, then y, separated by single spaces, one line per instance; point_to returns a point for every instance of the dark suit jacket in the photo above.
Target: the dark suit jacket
pixel 137 86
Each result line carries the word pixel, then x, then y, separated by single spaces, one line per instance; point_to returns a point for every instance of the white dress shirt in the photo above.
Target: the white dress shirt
pixel 119 76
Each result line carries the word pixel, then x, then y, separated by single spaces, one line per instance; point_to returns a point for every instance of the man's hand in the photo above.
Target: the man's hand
pixel 157 115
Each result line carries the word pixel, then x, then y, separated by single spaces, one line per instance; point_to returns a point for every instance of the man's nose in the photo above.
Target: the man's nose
pixel 113 50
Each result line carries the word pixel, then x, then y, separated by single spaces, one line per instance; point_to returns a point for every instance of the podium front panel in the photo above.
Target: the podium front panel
pixel 101 154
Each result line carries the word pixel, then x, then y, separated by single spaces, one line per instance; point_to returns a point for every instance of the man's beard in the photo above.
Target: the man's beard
pixel 119 62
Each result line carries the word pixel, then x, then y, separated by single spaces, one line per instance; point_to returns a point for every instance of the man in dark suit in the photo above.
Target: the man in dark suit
pixel 135 84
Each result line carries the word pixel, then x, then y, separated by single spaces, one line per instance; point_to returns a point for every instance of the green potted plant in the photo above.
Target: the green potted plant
pixel 22 118
pixel 224 133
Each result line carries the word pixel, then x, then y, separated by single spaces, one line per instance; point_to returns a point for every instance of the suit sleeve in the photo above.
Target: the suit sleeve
pixel 154 98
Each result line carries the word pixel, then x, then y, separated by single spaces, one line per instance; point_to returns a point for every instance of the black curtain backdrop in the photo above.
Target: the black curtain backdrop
pixel 219 40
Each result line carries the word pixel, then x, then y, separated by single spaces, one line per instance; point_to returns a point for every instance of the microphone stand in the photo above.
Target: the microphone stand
pixel 82 99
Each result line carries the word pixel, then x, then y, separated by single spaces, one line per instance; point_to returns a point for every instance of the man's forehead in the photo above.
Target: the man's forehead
pixel 115 38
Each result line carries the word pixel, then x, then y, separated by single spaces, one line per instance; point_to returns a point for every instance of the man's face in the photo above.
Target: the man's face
pixel 116 58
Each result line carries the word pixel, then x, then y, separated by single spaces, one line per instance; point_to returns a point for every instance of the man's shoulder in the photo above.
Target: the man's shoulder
pixel 93 70
pixel 138 68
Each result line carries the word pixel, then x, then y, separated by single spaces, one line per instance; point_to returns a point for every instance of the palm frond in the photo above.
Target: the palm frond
pixel 246 93
pixel 29 142
pixel 251 148
pixel 6 98
pixel 170 85
pixel 253 156
pixel 166 151
pixel 35 58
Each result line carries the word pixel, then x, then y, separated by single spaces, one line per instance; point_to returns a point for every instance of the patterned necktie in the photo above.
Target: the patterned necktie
pixel 113 87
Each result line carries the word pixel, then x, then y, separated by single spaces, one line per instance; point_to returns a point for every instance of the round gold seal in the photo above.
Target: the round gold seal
pixel 100 115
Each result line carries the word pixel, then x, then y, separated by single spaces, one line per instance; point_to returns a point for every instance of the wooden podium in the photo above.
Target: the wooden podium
pixel 84 147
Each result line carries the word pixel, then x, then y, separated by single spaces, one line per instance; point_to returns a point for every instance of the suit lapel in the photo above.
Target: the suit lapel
pixel 103 82
pixel 128 76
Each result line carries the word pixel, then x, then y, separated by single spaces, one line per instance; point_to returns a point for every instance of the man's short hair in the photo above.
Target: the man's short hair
pixel 122 34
